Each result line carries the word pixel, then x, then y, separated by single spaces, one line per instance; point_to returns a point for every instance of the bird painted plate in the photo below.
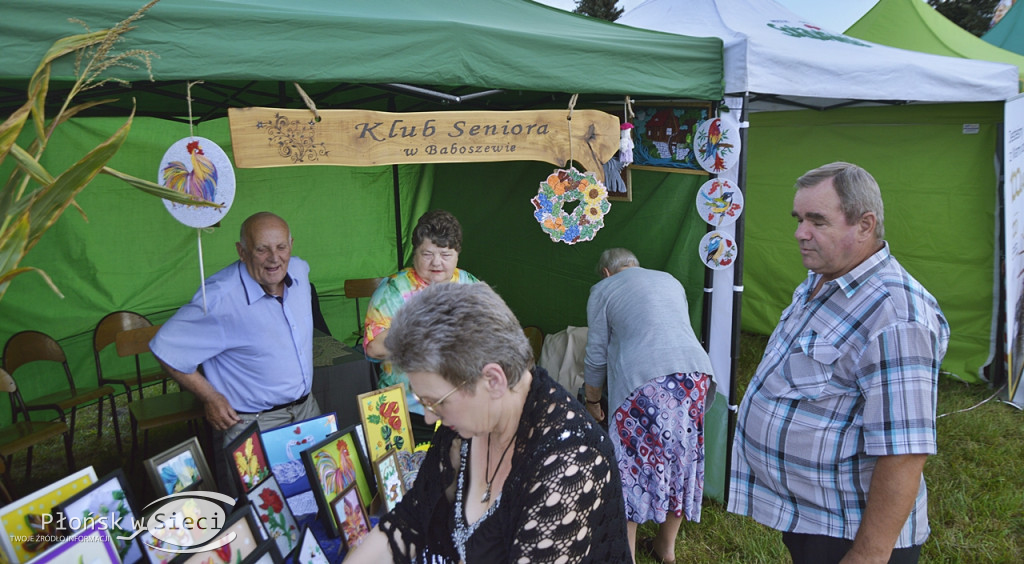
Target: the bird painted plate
pixel 718 250
pixel 719 202
pixel 716 145
pixel 199 168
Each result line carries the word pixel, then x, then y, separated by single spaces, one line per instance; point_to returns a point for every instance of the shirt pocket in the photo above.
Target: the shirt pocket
pixel 807 370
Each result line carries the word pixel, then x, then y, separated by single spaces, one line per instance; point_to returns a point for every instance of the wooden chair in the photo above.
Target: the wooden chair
pixel 23 435
pixel 30 346
pixel 536 338
pixel 103 336
pixel 356 288
pixel 157 411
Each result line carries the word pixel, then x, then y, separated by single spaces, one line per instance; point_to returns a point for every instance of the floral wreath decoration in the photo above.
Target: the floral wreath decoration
pixel 565 186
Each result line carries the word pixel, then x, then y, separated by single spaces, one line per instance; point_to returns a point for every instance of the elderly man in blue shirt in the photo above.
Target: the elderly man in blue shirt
pixel 255 339
pixel 835 426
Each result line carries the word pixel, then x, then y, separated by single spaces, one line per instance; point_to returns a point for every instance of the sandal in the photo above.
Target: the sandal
pixel 645 546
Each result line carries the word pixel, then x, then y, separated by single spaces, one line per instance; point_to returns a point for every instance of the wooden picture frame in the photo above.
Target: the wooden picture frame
pixel 275 515
pixel 247 459
pixel 23 517
pixel 389 480
pixel 663 136
pixel 333 465
pixel 284 445
pixel 352 520
pixel 385 417
pixel 310 551
pixel 181 468
pixel 247 539
pixel 92 544
pixel 108 501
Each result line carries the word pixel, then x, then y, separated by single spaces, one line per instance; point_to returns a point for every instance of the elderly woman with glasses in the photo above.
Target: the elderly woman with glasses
pixel 437 242
pixel 518 472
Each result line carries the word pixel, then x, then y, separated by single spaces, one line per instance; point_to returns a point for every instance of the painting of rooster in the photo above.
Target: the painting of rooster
pixel 198 181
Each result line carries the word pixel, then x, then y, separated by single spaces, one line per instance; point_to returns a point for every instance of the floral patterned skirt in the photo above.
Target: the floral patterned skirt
pixel 658 434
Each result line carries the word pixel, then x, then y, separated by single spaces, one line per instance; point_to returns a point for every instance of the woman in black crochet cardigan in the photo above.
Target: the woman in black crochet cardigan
pixel 518 471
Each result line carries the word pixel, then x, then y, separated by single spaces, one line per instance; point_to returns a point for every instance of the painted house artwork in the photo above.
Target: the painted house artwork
pixel 664 135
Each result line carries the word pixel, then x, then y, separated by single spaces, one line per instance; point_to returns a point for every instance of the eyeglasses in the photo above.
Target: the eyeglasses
pixel 433 406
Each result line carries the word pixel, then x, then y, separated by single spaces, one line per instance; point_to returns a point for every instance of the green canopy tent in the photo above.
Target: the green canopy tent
pixel 396 55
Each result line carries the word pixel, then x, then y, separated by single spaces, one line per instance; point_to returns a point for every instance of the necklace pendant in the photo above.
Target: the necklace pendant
pixel 487 495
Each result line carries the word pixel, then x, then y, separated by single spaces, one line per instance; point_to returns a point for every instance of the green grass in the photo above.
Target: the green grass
pixel 975 487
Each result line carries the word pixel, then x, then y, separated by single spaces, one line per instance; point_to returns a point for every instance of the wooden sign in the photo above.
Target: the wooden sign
pixel 268 137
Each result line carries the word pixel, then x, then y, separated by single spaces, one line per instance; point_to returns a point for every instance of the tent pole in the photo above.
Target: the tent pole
pixel 709 283
pixel 396 190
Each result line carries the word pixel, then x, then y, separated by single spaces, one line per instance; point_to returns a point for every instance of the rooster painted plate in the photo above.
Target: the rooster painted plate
pixel 197 167
pixel 719 202
pixel 716 145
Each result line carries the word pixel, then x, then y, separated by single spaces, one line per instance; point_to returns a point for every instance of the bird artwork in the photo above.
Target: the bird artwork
pixel 719 202
pixel 713 144
pixel 335 477
pixel 198 181
pixel 715 249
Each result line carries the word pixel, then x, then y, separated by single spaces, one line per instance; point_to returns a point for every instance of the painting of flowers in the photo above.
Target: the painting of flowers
pixel 275 515
pixel 385 419
pixel 248 458
pixel 108 501
pixel 389 479
pixel 245 541
pixel 310 551
pixel 180 468
pixel 334 464
pixel 24 518
pixel 354 523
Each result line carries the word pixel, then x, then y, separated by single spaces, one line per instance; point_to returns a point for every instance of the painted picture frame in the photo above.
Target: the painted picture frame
pixel 247 540
pixel 310 551
pixel 275 515
pixel 663 136
pixel 92 545
pixel 181 468
pixel 108 501
pixel 247 459
pixel 333 465
pixel 351 516
pixel 23 517
pixel 284 445
pixel 389 480
pixel 385 418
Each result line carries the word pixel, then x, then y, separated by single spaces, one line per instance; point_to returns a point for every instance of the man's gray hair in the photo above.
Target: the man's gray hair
pixel 454 330
pixel 857 189
pixel 615 260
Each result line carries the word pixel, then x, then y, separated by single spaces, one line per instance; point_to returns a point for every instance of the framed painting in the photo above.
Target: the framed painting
pixel 246 540
pixel 389 479
pixel 385 418
pixel 151 546
pixel 247 459
pixel 181 468
pixel 334 464
pixel 664 134
pixel 265 553
pixel 24 517
pixel 284 445
pixel 351 517
pixel 108 502
pixel 92 545
pixel 274 514
pixel 309 551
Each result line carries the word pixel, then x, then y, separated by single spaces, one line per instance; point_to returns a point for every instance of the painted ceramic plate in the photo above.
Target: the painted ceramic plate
pixel 718 250
pixel 719 202
pixel 198 167
pixel 716 145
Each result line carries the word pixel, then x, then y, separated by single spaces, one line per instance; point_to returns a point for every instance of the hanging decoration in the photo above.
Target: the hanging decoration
pixel 717 250
pixel 565 186
pixel 199 168
pixel 719 202
pixel 716 145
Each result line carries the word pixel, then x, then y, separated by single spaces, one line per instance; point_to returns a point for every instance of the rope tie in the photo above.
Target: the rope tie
pixel 309 101
pixel 572 105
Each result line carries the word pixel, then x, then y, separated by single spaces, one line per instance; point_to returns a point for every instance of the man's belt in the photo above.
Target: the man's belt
pixel 280 406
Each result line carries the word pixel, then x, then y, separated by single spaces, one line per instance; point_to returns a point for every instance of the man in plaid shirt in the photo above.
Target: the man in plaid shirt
pixel 835 426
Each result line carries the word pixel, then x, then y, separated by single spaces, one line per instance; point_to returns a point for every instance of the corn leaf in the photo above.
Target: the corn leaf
pixel 157 190
pixel 12 247
pixel 29 164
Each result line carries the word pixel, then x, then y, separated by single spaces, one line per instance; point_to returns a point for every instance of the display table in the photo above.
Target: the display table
pixel 340 373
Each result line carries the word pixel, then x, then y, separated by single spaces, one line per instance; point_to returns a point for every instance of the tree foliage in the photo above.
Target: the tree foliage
pixel 603 9
pixel 972 15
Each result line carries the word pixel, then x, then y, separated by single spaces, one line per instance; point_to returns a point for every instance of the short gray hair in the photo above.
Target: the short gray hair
pixel 615 260
pixel 454 330
pixel 858 191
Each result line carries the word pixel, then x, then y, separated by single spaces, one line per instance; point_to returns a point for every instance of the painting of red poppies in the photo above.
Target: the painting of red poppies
pixel 275 515
pixel 385 420
pixel 332 466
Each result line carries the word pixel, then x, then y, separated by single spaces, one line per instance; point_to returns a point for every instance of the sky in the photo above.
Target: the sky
pixel 834 15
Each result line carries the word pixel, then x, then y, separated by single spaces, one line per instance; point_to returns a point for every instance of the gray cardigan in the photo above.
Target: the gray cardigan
pixel 639 329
